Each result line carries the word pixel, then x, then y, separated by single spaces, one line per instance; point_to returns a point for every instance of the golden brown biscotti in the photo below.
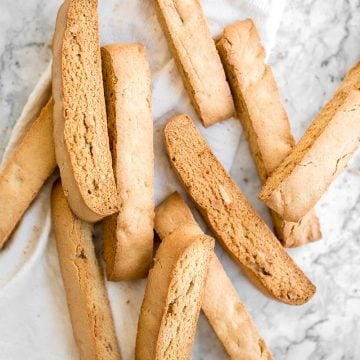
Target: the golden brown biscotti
pixel 173 296
pixel 231 217
pixel 128 235
pixel 195 54
pixel 263 117
pixel 221 304
pixel 85 290
pixel 320 156
pixel 80 129
pixel 30 165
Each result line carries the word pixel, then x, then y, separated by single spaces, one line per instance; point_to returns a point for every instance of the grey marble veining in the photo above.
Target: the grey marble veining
pixel 24 54
pixel 317 43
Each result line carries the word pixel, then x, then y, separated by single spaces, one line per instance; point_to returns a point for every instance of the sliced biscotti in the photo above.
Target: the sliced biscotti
pixel 31 164
pixel 173 296
pixel 86 295
pixel 221 304
pixel 80 130
pixel 263 117
pixel 128 235
pixel 233 220
pixel 321 154
pixel 194 50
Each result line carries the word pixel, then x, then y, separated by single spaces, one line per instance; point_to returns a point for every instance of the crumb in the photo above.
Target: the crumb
pixel 246 179
pixel 127 301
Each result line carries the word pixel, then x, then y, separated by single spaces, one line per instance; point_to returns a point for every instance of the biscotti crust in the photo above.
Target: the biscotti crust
pixel 231 217
pixel 85 290
pixel 31 164
pixel 225 313
pixel 256 95
pixel 263 117
pixel 173 296
pixel 128 235
pixel 321 154
pixel 80 133
pixel 185 28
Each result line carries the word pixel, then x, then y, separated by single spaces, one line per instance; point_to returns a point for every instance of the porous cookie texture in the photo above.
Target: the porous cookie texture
pixel 173 296
pixel 231 217
pixel 80 129
pixel 221 304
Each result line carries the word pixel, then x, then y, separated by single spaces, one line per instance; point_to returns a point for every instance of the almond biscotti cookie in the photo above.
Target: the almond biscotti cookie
pixel 85 290
pixel 231 217
pixel 80 129
pixel 173 296
pixel 31 164
pixel 194 50
pixel 263 117
pixel 320 156
pixel 224 310
pixel 128 235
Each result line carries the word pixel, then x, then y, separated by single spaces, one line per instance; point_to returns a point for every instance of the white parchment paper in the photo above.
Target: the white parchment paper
pixel 34 319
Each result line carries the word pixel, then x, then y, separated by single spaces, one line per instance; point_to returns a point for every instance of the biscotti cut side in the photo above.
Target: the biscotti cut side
pixel 231 217
pixel 221 304
pixel 128 236
pixel 194 51
pixel 321 154
pixel 26 171
pixel 263 117
pixel 80 130
pixel 173 296
pixel 85 290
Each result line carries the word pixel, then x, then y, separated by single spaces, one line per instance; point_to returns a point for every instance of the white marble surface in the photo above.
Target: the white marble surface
pixel 316 44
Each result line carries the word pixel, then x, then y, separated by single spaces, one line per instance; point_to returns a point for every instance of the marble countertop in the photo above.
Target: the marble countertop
pixel 318 41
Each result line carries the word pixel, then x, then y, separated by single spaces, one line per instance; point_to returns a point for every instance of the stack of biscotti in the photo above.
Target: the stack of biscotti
pixel 100 132
pixel 80 125
pixel 30 165
pixel 173 296
pixel 194 50
pixel 263 117
pixel 128 235
pixel 226 314
pixel 320 156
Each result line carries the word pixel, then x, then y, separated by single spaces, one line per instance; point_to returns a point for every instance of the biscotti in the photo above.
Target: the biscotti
pixel 173 296
pixel 263 117
pixel 231 217
pixel 128 235
pixel 30 165
pixel 322 153
pixel 80 130
pixel 221 304
pixel 199 64
pixel 85 290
